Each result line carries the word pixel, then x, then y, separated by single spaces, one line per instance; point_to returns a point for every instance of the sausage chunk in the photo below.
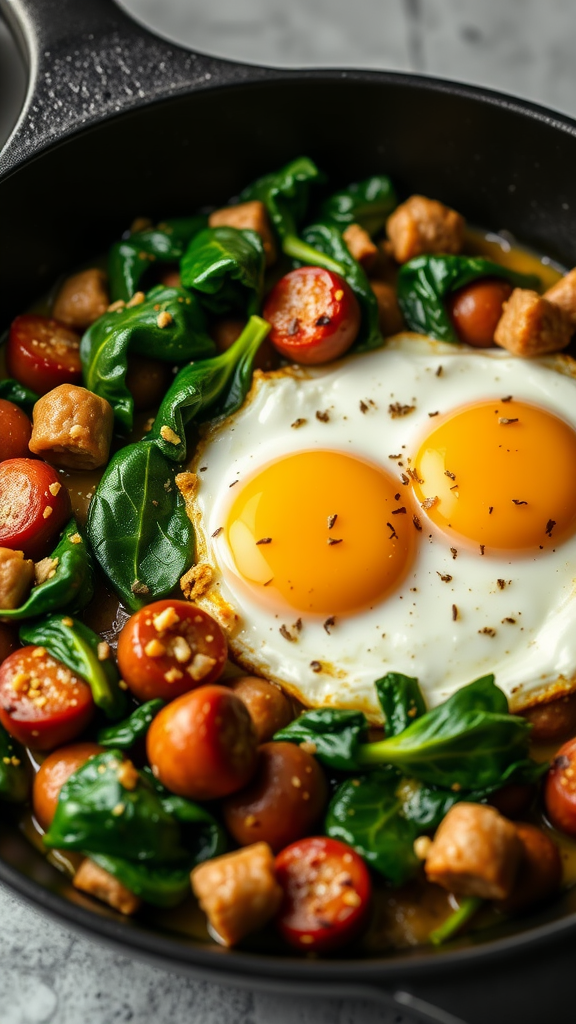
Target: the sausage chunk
pixel 475 852
pixel 72 428
pixel 530 325
pixel 91 878
pixel 269 707
pixel 563 294
pixel 82 299
pixel 238 892
pixel 252 215
pixel 540 871
pixel 16 578
pixel 422 225
pixel 390 317
pixel 361 246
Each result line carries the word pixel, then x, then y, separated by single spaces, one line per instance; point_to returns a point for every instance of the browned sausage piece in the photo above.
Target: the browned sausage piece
pixel 530 325
pixel 72 428
pixel 475 852
pixel 361 246
pixel 238 892
pixel 540 871
pixel 555 720
pixel 283 800
pixel 269 708
pixel 422 225
pixel 390 319
pixel 563 294
pixel 82 299
pixel 253 215
pixel 16 578
pixel 91 878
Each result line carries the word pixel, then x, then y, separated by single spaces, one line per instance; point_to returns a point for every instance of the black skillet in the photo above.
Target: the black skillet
pixel 119 123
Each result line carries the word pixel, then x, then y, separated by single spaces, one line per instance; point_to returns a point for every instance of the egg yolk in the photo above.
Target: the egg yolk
pixel 501 474
pixel 325 532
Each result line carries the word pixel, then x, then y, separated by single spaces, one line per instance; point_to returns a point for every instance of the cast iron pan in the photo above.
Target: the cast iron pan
pixel 118 123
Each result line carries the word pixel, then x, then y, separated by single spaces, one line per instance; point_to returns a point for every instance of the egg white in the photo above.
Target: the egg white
pixel 412 630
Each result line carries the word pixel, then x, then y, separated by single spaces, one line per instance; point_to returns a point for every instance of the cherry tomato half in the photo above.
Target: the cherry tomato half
pixel 203 745
pixel 476 309
pixel 43 353
pixel 327 891
pixel 314 314
pixel 560 789
pixel 42 703
pixel 168 648
pixel 34 506
pixel 53 773
pixel 15 431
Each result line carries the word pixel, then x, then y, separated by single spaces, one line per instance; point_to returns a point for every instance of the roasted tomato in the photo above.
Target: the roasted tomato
pixel 43 353
pixel 15 431
pixel 53 773
pixel 42 703
pixel 327 892
pixel 476 309
pixel 168 648
pixel 560 789
pixel 34 506
pixel 314 314
pixel 203 745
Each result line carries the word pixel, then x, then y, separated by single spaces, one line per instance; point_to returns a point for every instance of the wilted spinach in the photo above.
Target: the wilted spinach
pixel 72 585
pixel 336 734
pixel 202 836
pixel 367 203
pixel 131 257
pixel 225 268
pixel 124 735
pixel 14 778
pixel 160 886
pixel 12 391
pixel 401 701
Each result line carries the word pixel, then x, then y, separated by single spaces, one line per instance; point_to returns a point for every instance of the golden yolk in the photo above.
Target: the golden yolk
pixel 325 532
pixel 501 474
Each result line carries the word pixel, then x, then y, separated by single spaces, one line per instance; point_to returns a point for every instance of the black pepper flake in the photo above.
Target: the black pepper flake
pixel 482 547
pixel 395 456
pixel 298 625
pixel 397 496
pixel 233 484
pixel 323 416
pixel 203 469
pixel 363 406
pixel 264 540
pixel 487 631
pixel 431 414
pixel 490 510
pixel 268 582
pixel 396 409
pixel 454 552
pixel 508 398
pixel 417 523
pixel 444 576
pixel 509 620
pixel 316 666
pixel 414 476
pixel 399 511
pixel 218 531
pixel 517 501
pixel 332 519
pixel 333 540
pixel 392 532
pixel 550 526
pixel 505 421
pixel 293 327
pixel 329 623
pixel 323 321
pixel 454 613
pixel 298 423
pixel 501 584
pixel 405 479
pixel 439 371
pixel 448 473
pixel 285 632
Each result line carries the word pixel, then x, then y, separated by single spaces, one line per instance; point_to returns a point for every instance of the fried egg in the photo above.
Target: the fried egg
pixel 411 509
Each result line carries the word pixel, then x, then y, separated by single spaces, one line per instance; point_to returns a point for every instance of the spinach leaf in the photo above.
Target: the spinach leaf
pixel 125 734
pixel 72 585
pixel 202 835
pixel 367 203
pixel 160 886
pixel 225 267
pixel 197 388
pixel 14 391
pixel 97 813
pixel 76 645
pixel 14 778
pixel 425 283
pixel 138 526
pixel 131 257
pixel 285 193
pixel 105 345
pixel 335 733
pixel 401 701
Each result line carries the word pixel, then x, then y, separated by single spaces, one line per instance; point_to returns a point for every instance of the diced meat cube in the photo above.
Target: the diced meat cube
pixel 530 325
pixel 422 225
pixel 72 428
pixel 390 317
pixel 361 246
pixel 253 215
pixel 82 299
pixel 94 880
pixel 16 578
pixel 238 892
pixel 563 294
pixel 475 852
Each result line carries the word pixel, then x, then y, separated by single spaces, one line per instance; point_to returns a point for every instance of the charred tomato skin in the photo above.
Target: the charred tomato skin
pixel 560 789
pixel 43 353
pixel 314 314
pixel 37 514
pixel 54 771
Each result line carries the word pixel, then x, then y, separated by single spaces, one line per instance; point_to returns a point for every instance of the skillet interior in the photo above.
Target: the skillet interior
pixel 503 164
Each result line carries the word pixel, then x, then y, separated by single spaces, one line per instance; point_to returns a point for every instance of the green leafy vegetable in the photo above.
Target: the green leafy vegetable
pixel 14 778
pixel 160 886
pixel 76 645
pixel 198 388
pixel 456 921
pixel 335 733
pixel 367 203
pixel 125 734
pixel 202 836
pixel 401 701
pixel 13 391
pixel 72 585
pixel 285 194
pixel 105 345
pixel 425 283
pixel 138 527
pixel 131 257
pixel 225 267
pixel 97 813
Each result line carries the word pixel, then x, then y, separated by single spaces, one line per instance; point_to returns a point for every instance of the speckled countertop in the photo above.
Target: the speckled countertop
pixel 49 975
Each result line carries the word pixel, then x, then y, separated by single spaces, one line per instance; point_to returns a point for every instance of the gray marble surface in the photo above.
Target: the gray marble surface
pixel 49 975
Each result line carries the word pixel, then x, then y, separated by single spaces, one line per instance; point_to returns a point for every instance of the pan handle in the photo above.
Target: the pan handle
pixel 87 60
